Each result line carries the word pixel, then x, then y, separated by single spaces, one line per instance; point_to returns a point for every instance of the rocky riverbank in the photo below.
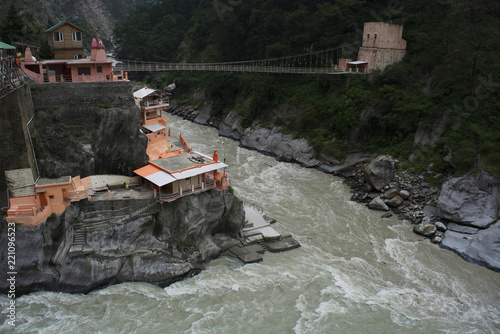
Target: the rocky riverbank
pixel 461 216
pixel 94 244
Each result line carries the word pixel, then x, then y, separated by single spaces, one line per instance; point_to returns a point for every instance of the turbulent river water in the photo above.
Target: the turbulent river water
pixel 355 272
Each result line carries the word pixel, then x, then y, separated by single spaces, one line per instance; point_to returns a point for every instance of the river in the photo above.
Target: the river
pixel 355 272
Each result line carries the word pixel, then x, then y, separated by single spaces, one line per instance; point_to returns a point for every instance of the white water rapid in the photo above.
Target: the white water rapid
pixel 355 272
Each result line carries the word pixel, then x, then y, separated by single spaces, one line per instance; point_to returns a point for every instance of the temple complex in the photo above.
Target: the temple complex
pixel 95 68
pixel 174 170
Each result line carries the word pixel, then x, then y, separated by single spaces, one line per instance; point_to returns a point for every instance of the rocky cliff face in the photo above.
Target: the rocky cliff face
pixel 87 128
pixel 95 244
pixel 472 204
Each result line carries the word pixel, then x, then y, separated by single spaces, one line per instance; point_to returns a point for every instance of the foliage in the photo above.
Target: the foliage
pixel 11 29
pixel 451 71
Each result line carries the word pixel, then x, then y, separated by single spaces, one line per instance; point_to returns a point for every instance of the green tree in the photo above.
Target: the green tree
pixel 11 30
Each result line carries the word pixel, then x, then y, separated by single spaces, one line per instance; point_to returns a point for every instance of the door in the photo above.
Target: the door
pixel 43 198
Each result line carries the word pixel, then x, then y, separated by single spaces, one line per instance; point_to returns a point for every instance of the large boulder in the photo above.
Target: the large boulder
pixel 379 172
pixel 470 200
pixel 378 204
pixel 395 201
pixel 425 229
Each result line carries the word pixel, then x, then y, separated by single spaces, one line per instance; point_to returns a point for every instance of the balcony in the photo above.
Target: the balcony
pixel 154 104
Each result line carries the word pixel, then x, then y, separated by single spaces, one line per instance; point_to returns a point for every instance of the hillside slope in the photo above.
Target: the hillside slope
pixel 439 106
pixel 37 16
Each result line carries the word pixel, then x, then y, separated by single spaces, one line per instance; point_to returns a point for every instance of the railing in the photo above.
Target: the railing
pixel 75 196
pixel 187 191
pixel 25 211
pixel 221 67
pixel 183 141
pixel 155 103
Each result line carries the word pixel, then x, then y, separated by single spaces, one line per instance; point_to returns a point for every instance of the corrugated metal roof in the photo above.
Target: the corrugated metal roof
pixel 5 46
pixel 160 178
pixel 154 127
pixel 143 92
pixel 198 170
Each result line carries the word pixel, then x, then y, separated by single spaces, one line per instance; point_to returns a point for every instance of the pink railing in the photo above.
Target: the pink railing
pixel 25 212
pixel 185 192
pixel 75 196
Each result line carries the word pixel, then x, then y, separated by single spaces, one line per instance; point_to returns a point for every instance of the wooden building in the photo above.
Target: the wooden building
pixel 65 40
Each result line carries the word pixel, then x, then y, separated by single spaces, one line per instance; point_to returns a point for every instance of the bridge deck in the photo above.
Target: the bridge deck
pixel 166 67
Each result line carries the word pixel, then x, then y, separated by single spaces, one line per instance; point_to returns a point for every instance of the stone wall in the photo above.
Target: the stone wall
pixel 87 128
pixel 383 45
pixel 15 148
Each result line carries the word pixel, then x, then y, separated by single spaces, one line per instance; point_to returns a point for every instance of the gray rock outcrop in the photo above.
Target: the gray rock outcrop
pixel 467 201
pixel 482 248
pixel 95 244
pixel 379 172
pixel 429 135
pixel 231 126
pixel 86 129
pixel 284 147
pixel 472 204
pixel 204 115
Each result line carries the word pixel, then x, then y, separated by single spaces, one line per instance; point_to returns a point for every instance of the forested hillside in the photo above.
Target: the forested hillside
pixel 25 21
pixel 448 82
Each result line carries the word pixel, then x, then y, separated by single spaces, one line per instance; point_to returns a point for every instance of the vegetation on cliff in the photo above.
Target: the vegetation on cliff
pixel 448 82
pixel 449 76
pixel 25 21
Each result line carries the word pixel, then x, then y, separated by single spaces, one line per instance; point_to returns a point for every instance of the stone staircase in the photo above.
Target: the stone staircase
pixel 96 222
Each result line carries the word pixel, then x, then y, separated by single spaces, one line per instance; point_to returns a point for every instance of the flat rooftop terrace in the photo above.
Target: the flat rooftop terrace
pixel 48 182
pixel 182 161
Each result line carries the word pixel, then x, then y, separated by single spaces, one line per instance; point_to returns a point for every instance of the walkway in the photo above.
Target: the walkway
pixel 324 62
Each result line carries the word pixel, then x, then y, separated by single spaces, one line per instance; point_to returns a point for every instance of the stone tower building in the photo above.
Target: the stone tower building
pixel 383 45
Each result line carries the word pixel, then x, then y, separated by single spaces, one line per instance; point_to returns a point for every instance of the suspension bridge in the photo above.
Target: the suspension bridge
pixel 323 62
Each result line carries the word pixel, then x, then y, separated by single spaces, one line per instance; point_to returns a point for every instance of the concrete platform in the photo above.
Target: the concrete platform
pixel 260 235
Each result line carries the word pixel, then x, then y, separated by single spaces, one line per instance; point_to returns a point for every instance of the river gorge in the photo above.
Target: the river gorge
pixel 355 272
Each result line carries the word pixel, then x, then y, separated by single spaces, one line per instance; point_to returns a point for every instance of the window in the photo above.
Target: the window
pixel 83 70
pixel 375 36
pixel 368 36
pixel 99 69
pixel 77 36
pixel 58 36
pixel 77 56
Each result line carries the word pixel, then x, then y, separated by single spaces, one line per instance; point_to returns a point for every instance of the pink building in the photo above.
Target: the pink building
pixel 48 196
pixel 97 68
pixel 153 105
